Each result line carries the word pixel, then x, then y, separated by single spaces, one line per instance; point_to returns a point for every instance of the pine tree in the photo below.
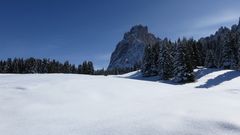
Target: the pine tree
pixel 238 66
pixel 66 67
pixel 210 60
pixel 90 68
pixel 86 68
pixel 1 67
pixel 227 52
pixel 79 69
pixel 32 65
pixel 73 69
pixel 196 56
pixel 183 71
pixel 165 61
pixel 15 64
pixel 146 68
pixel 154 60
pixel 44 66
pixel 161 60
pixel 8 66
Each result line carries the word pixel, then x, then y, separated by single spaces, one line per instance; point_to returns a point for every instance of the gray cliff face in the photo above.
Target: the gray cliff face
pixel 130 50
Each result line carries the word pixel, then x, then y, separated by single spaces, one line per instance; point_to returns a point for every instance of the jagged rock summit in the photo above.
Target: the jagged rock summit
pixel 130 50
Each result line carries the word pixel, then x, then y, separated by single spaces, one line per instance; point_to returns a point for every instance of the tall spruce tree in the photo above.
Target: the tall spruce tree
pixel 165 61
pixel 147 61
pixel 238 66
pixel 210 60
pixel 90 68
pixel 154 61
pixel 79 70
pixel 183 71
pixel 195 53
pixel 227 52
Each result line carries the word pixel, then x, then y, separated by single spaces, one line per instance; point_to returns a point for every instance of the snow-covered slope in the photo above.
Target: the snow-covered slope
pixel 59 104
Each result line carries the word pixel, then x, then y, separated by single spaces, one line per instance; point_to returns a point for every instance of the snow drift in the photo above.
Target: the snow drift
pixel 61 104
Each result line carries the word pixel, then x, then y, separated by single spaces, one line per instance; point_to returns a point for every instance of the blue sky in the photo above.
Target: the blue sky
pixel 78 30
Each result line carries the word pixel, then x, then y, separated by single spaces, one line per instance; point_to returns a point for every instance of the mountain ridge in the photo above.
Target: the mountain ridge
pixel 129 51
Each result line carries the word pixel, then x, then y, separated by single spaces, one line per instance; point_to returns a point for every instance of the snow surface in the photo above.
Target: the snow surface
pixel 61 104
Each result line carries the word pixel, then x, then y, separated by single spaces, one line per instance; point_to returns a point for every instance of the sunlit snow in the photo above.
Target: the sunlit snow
pixel 62 104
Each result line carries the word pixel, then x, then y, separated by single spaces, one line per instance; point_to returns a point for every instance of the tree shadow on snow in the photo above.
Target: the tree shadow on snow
pixel 201 72
pixel 220 79
pixel 138 76
pixel 204 71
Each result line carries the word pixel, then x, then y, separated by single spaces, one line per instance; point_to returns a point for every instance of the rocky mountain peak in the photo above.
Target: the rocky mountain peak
pixel 136 32
pixel 130 49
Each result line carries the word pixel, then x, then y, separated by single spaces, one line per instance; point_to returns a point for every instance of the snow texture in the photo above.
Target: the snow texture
pixel 61 104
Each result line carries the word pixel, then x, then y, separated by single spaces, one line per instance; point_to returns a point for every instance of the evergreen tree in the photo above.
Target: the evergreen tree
pixel 44 68
pixel 1 67
pixel 238 67
pixel 147 61
pixel 165 61
pixel 90 68
pixel 150 60
pixel 66 67
pixel 200 53
pixel 85 68
pixel 73 69
pixel 183 70
pixel 209 61
pixel 8 66
pixel 79 69
pixel 32 65
pixel 155 57
pixel 15 65
pixel 194 53
pixel 227 52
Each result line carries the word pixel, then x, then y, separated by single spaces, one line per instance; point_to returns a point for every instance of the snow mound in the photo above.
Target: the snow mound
pixel 60 104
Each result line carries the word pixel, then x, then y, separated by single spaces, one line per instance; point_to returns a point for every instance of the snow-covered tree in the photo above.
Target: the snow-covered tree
pixel 210 60
pixel 195 54
pixel 155 55
pixel 146 67
pixel 227 52
pixel 165 61
pixel 183 71
pixel 238 66
pixel 150 60
pixel 33 65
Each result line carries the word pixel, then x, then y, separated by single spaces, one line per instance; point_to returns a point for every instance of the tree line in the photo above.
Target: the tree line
pixel 172 61
pixel 33 65
pixel 176 60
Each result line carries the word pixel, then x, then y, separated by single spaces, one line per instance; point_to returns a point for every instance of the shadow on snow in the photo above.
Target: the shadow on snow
pixel 230 75
pixel 202 72
pixel 138 76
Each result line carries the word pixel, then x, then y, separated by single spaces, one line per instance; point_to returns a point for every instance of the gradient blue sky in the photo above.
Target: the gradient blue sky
pixel 78 30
